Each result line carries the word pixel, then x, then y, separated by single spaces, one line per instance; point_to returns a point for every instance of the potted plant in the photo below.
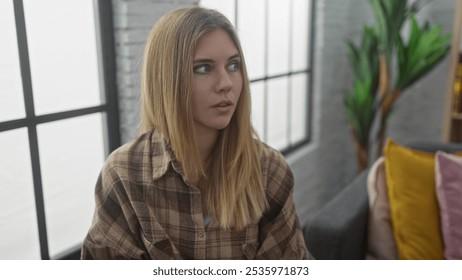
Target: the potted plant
pixel 381 53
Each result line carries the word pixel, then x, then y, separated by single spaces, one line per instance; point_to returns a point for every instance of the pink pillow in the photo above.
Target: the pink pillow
pixel 448 175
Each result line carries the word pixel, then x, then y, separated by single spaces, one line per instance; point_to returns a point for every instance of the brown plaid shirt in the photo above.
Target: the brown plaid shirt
pixel 144 210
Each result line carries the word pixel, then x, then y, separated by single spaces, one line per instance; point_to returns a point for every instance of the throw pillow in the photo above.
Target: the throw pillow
pixel 410 176
pixel 448 172
pixel 380 244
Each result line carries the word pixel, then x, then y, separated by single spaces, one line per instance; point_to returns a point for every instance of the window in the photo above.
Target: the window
pixel 276 37
pixel 58 122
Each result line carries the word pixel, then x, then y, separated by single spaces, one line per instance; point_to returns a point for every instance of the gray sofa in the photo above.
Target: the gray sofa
pixel 338 230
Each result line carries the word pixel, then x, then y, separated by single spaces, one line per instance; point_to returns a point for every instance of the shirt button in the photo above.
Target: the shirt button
pixel 201 235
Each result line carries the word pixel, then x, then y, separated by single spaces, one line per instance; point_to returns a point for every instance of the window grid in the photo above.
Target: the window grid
pixel 104 32
pixel 291 146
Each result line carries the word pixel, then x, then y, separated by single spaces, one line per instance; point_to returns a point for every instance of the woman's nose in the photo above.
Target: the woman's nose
pixel 224 82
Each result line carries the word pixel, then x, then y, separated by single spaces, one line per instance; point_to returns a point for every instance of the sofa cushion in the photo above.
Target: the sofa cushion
pixel 410 178
pixel 448 172
pixel 380 242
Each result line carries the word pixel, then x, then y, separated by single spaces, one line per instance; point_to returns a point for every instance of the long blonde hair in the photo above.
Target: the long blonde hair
pixel 231 185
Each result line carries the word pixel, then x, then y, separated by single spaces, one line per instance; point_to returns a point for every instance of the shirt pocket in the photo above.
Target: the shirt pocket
pixel 162 249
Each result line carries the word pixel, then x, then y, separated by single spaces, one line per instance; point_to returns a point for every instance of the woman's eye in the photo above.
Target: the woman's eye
pixel 234 66
pixel 202 69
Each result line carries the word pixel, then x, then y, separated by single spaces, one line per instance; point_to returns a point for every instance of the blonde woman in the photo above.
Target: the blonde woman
pixel 197 183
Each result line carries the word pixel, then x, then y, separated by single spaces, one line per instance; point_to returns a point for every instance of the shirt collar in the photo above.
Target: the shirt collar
pixel 162 156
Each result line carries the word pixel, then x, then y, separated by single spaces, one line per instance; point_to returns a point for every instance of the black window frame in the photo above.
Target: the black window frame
pixel 309 71
pixel 109 107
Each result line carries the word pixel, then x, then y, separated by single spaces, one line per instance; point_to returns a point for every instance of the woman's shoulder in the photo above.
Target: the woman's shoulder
pixel 269 155
pixel 274 166
pixel 130 147
pixel 132 153
pixel 277 177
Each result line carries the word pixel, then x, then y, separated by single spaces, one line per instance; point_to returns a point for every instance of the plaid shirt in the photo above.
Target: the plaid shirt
pixel 145 210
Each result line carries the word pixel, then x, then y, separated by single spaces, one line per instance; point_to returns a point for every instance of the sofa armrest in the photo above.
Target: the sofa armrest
pixel 339 229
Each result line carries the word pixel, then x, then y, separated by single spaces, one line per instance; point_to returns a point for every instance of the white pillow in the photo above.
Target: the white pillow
pixel 381 243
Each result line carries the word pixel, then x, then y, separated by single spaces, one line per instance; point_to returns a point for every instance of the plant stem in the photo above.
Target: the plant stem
pixel 386 107
pixel 384 78
pixel 362 157
pixel 362 152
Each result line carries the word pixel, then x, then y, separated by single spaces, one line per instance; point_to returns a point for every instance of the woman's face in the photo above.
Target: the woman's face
pixel 217 81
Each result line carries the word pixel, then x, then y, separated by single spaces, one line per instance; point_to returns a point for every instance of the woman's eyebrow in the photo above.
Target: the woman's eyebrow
pixel 234 56
pixel 202 60
pixel 209 60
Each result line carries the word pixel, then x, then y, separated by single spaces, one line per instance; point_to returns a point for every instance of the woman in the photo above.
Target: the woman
pixel 197 183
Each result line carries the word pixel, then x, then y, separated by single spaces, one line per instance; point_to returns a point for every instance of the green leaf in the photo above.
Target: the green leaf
pixel 389 16
pixel 415 35
pixel 426 47
pixel 381 22
pixel 401 55
pixel 353 56
pixel 359 106
pixel 360 101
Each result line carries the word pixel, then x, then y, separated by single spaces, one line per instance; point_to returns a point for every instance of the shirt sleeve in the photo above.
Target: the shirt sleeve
pixel 280 234
pixel 113 233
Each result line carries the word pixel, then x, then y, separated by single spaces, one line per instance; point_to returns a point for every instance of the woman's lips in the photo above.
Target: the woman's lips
pixel 223 107
pixel 222 104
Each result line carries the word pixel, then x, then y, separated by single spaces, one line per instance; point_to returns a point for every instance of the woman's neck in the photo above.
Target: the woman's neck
pixel 206 139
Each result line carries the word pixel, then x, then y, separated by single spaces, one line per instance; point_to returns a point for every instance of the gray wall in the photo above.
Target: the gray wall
pixel 325 166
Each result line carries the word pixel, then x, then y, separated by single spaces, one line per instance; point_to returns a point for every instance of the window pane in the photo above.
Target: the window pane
pixel 300 29
pixel 258 103
pixel 278 37
pixel 299 108
pixel 251 29
pixel 226 7
pixel 278 113
pixel 63 54
pixel 11 97
pixel 18 220
pixel 71 156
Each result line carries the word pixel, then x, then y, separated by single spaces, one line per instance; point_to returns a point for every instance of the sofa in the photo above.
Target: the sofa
pixel 339 229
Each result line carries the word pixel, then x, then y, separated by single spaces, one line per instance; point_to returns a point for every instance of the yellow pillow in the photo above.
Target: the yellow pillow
pixel 415 218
